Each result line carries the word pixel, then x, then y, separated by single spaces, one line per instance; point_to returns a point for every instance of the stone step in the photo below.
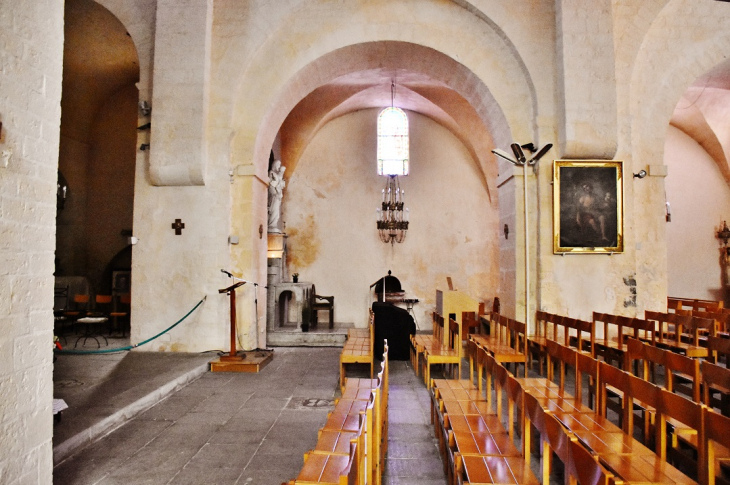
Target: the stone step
pixel 322 336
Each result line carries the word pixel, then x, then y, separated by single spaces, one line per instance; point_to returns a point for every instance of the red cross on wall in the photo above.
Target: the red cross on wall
pixel 178 225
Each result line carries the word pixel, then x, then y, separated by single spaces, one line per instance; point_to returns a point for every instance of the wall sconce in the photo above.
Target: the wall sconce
pixel 640 175
pixel 61 191
pixel 724 235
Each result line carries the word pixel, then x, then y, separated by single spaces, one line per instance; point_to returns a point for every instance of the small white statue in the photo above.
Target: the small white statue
pixel 276 193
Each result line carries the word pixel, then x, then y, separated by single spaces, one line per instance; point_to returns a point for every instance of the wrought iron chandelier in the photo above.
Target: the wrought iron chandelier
pixel 392 217
pixel 392 161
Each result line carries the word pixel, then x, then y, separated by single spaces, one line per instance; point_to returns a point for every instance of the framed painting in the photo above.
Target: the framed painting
pixel 121 282
pixel 588 208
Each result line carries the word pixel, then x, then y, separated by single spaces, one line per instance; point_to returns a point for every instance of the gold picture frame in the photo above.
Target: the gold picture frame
pixel 588 206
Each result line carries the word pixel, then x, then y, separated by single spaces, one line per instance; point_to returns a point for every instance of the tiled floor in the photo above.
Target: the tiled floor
pixel 242 428
pixel 413 456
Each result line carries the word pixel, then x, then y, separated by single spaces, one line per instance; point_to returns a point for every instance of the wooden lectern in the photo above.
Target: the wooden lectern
pixel 233 355
pixel 252 361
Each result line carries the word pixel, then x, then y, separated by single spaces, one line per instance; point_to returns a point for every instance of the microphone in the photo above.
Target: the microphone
pixel 241 279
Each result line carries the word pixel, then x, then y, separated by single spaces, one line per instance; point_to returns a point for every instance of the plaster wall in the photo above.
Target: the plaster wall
pixel 111 184
pixel 31 36
pixel 700 202
pixel 329 211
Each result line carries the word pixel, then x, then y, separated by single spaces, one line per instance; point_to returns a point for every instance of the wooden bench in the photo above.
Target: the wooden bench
pixel 419 342
pixel 476 446
pixel 439 354
pixel 358 349
pixel 351 446
pixel 570 331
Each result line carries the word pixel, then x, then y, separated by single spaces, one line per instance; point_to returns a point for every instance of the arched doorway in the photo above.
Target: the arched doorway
pixel 97 150
pixel 698 188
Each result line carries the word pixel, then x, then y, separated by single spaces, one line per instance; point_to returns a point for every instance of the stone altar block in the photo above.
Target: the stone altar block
pixel 289 303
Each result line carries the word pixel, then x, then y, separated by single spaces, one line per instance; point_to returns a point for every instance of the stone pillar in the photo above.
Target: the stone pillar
pixel 181 81
pixel 31 36
pixel 586 79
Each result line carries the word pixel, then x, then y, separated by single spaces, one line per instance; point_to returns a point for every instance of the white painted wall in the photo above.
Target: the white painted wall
pixel 329 211
pixel 700 202
pixel 31 36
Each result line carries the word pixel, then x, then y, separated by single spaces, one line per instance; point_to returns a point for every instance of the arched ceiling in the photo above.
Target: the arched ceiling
pixel 703 113
pixel 415 91
pixel 99 58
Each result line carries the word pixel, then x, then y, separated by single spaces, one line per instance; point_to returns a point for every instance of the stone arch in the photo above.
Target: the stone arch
pixel 419 92
pixel 672 54
pixel 661 74
pixel 97 152
pixel 264 99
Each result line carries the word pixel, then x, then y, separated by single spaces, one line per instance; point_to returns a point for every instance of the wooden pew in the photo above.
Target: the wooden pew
pixel 677 303
pixel 437 353
pixel 719 350
pixel 670 327
pixel 611 346
pixel 507 342
pixel 420 342
pixel 357 350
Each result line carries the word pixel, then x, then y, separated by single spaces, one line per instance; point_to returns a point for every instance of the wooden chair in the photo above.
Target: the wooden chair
pixel 323 303
pixel 511 345
pixel 420 342
pixel 719 350
pixel 537 343
pixel 671 326
pixel 716 387
pixel 537 419
pixel 79 309
pixel 611 346
pixel 93 319
pixel 121 309
pixel 557 441
pixel 469 324
pixel 585 339
pixel 715 427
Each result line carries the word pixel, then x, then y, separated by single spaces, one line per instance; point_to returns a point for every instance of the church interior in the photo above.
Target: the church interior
pixel 562 165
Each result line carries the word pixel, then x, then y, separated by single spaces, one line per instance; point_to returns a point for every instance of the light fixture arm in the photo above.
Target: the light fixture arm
pixel 504 155
pixel 519 154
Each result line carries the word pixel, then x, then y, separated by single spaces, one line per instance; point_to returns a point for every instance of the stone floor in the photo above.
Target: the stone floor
pixel 225 428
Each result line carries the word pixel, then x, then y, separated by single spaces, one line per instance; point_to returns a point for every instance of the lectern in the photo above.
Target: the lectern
pixel 251 361
pixel 233 355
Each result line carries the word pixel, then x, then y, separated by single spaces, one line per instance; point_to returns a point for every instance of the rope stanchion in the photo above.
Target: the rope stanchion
pixel 129 347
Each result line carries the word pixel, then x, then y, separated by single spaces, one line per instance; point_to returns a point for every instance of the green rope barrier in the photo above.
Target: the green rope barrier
pixel 129 347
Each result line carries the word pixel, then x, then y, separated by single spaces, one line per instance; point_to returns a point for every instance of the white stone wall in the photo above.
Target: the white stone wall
pixel 31 49
pixel 700 201
pixel 329 212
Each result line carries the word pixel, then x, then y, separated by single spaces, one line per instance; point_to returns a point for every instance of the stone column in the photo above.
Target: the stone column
pixel 181 81
pixel 586 79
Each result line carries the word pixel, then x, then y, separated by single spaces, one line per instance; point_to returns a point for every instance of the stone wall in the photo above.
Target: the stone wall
pixel 329 212
pixel 31 36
